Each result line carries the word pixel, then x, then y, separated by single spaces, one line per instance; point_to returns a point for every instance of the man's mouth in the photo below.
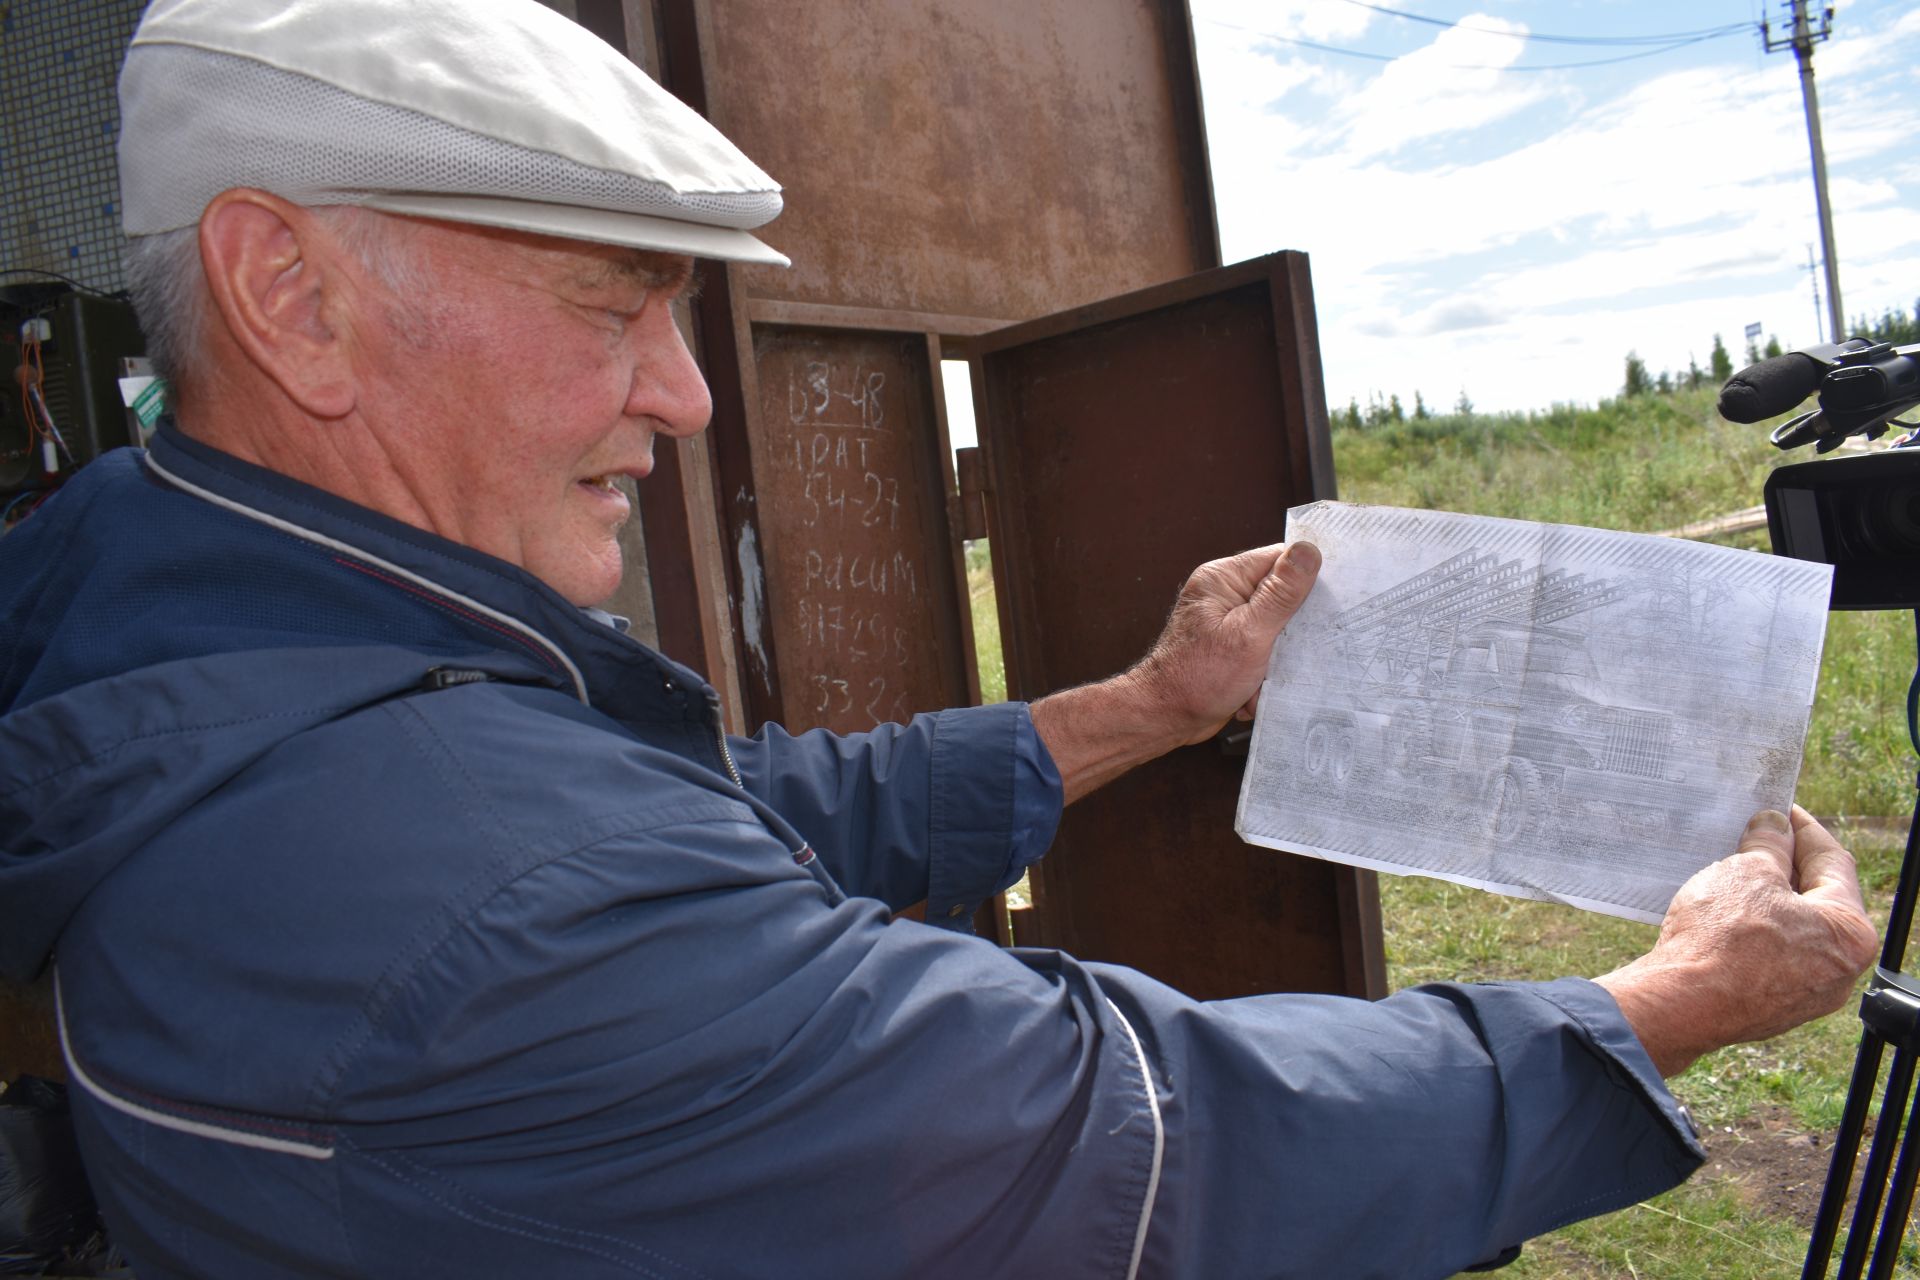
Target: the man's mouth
pixel 607 482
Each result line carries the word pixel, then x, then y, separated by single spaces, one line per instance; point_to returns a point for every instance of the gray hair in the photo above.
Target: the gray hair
pixel 169 286
pixel 169 297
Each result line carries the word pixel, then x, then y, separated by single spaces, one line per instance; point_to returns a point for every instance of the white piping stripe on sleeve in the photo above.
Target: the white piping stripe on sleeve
pixel 345 548
pixel 238 1137
pixel 1159 1143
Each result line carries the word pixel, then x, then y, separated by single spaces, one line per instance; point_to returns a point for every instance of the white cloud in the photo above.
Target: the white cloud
pixel 1644 219
pixel 1245 79
pixel 1317 20
pixel 1859 43
pixel 1457 314
pixel 1431 91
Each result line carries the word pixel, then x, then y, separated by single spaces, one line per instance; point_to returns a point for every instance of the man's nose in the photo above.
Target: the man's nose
pixel 667 384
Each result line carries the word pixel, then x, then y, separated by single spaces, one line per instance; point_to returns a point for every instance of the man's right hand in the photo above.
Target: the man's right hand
pixel 1753 945
pixel 1205 668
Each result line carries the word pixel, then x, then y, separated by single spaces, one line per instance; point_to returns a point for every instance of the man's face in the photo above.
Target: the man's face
pixel 518 381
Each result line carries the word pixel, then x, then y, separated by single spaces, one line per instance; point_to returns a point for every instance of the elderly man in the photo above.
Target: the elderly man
pixel 409 919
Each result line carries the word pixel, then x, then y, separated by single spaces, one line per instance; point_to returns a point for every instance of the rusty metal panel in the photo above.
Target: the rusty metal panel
pixel 1128 442
pixel 999 158
pixel 846 557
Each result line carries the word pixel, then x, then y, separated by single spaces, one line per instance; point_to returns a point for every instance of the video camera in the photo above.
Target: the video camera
pixel 1861 515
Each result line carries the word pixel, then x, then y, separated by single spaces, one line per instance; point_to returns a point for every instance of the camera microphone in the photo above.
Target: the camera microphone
pixel 1775 386
pixel 1771 387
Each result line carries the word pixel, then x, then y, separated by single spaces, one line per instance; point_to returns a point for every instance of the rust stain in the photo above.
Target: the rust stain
pixel 1006 157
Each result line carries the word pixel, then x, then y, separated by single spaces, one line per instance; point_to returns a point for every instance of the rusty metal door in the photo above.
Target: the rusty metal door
pixel 1125 443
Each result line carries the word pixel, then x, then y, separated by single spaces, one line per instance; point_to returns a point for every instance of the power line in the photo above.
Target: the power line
pixel 1671 38
pixel 1717 34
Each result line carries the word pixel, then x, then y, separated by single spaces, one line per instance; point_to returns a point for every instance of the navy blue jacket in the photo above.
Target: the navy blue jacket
pixel 409 921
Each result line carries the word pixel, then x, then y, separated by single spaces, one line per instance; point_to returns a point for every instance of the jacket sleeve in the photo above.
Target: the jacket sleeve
pixel 1420 1135
pixel 950 807
pixel 717 1071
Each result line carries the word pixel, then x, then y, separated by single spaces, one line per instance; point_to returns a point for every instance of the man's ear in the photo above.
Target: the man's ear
pixel 274 283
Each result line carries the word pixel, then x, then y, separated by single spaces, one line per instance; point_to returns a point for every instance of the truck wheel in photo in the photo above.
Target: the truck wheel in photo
pixel 1512 799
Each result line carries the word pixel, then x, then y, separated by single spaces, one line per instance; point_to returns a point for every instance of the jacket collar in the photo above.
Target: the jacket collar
pixel 589 658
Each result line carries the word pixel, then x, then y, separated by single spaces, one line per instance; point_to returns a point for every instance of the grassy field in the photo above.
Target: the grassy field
pixel 1650 463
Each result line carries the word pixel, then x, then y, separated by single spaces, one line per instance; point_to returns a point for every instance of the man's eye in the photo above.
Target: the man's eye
pixel 623 316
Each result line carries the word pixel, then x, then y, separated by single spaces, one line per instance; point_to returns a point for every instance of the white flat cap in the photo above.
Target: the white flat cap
pixel 497 112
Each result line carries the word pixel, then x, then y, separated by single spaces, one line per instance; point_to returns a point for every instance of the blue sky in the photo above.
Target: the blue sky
pixel 1515 233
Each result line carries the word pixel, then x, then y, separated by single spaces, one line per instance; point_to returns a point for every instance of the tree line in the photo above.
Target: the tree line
pixel 1895 326
pixel 1380 412
pixel 1898 327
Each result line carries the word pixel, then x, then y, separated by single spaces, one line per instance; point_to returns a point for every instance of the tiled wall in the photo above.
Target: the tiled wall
pixel 59 196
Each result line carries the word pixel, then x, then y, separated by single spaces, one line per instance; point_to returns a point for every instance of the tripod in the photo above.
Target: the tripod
pixel 1890 1011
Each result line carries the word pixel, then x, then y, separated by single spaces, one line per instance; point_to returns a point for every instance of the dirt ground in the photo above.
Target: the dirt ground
pixel 1778 1166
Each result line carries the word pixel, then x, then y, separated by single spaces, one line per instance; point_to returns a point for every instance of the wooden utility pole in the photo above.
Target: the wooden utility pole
pixel 1801 41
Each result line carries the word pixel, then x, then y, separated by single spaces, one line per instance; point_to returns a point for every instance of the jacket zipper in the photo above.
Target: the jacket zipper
pixel 720 737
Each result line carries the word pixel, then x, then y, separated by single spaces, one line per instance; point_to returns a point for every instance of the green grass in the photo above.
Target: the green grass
pixel 986 623
pixel 1859 762
pixel 1650 463
pixel 1697 1233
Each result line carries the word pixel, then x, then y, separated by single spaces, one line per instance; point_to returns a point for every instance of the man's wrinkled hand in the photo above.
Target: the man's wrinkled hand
pixel 1753 945
pixel 1205 668
pixel 1207 665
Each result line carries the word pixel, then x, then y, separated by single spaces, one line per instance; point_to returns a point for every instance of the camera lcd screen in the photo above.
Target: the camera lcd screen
pixel 1862 516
